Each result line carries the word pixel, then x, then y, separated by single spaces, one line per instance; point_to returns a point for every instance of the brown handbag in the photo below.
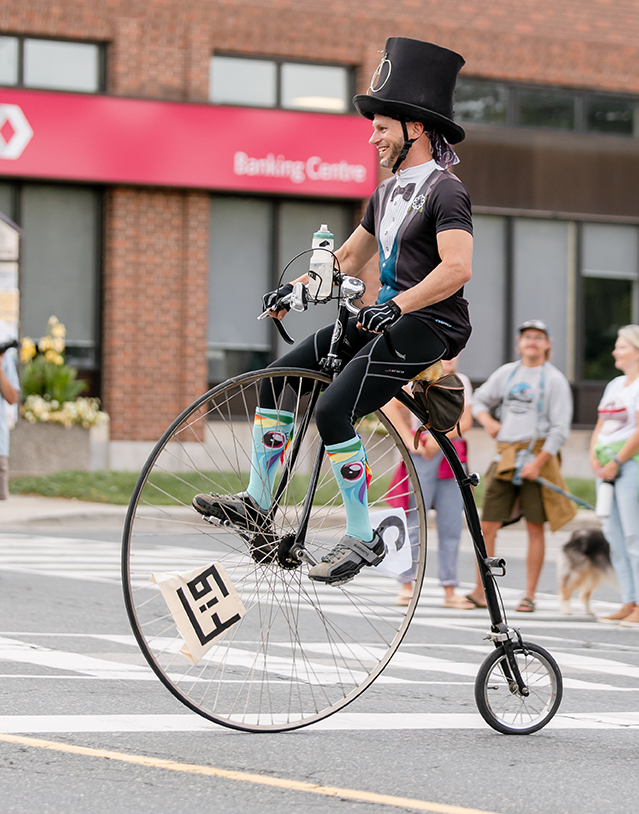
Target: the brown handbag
pixel 443 403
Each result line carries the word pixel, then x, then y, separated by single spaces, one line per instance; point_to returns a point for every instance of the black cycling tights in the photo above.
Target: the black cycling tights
pixel 371 375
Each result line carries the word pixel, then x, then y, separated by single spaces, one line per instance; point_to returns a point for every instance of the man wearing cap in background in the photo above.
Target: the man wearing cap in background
pixel 419 223
pixel 527 407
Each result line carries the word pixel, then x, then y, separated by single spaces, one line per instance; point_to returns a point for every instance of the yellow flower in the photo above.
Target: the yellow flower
pixel 58 344
pixel 45 344
pixel 27 350
pixel 52 356
pixel 58 330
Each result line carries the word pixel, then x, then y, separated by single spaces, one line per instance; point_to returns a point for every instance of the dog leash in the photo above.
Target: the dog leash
pixel 549 485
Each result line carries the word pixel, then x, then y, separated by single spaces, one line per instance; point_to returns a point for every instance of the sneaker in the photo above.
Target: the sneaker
pixel 632 620
pixel 618 616
pixel 243 511
pixel 347 559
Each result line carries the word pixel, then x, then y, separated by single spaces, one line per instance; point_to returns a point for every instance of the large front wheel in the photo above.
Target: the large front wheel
pixel 302 650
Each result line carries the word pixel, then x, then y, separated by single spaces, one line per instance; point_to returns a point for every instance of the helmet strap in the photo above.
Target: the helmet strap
pixel 408 143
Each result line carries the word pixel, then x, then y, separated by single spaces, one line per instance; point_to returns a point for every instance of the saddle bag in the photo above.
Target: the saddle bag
pixel 443 403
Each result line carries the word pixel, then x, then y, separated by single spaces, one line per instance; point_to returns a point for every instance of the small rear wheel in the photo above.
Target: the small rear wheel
pixel 499 700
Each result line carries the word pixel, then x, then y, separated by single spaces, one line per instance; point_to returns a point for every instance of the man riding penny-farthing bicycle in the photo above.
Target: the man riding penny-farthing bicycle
pixel 419 221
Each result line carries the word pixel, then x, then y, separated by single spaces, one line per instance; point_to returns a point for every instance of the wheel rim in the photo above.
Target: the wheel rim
pixel 513 710
pixel 303 650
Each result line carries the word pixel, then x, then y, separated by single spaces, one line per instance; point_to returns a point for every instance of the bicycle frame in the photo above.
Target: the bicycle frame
pixel 500 633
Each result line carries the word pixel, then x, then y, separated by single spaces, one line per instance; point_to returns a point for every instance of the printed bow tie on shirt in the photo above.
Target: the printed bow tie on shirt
pixel 406 192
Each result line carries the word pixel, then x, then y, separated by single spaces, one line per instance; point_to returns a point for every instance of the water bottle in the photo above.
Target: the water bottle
pixel 320 277
pixel 605 494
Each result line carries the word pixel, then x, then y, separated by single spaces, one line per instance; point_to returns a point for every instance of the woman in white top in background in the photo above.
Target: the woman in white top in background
pixel 614 456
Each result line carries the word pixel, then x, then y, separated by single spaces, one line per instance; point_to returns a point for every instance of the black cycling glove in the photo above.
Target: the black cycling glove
pixel 377 318
pixel 269 299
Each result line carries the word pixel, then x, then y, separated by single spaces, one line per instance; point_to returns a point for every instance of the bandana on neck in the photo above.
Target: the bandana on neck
pixel 443 153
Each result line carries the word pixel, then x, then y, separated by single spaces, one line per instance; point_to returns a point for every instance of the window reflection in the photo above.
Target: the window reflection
pixel 8 60
pixel 314 87
pixel 483 102
pixel 609 114
pixel 546 108
pixel 269 83
pixel 61 65
pixel 607 307
pixel 243 81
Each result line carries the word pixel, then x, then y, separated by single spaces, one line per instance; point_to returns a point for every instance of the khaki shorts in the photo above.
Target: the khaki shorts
pixel 500 497
pixel 4 477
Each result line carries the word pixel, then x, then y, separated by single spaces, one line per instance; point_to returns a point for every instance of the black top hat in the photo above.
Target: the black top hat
pixel 415 81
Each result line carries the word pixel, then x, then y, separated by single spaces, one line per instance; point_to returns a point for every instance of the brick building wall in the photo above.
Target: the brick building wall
pixel 154 308
pixel 160 48
pixel 156 240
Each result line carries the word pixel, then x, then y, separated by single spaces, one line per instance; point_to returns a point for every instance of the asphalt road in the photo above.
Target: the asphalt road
pixel 88 727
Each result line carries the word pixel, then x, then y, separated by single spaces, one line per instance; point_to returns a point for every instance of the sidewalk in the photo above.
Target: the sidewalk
pixel 54 513
pixel 33 511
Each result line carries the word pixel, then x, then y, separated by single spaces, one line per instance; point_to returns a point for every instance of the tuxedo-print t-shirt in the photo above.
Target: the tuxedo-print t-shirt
pixel 618 409
pixel 439 203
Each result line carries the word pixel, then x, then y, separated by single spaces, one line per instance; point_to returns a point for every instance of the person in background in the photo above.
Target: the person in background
pixel 533 402
pixel 440 492
pixel 614 456
pixel 9 391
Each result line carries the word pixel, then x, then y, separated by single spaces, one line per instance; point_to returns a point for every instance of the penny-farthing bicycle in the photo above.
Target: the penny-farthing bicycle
pixel 298 651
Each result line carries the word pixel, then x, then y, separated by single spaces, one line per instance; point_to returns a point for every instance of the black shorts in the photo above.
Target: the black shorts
pixel 371 375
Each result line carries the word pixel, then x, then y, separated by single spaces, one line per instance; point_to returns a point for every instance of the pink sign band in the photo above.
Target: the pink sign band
pixel 109 139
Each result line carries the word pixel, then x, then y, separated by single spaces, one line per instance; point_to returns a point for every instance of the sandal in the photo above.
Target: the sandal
pixel 527 605
pixel 475 602
pixel 459 603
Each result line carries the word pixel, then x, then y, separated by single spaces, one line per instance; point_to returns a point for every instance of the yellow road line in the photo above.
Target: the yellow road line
pixel 246 777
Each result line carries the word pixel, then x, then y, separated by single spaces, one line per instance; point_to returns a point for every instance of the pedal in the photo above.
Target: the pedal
pixel 214 521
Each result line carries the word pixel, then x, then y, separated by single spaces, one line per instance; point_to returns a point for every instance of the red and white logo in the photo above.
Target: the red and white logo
pixel 15 132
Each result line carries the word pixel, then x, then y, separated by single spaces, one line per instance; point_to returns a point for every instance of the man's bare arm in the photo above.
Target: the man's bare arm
pixel 356 251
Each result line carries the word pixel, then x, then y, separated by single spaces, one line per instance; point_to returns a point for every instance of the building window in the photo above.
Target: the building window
pixel 545 108
pixel 260 82
pixel 610 271
pixel 541 258
pixel 610 114
pixel 245 263
pixel 243 82
pixel 51 64
pixel 482 101
pixel 9 53
pixel 487 294
pixel 314 87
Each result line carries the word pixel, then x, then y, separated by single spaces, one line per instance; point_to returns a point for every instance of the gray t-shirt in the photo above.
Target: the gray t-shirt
pixel 535 401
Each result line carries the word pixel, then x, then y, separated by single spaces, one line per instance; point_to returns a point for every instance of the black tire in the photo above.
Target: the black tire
pixel 503 707
pixel 303 650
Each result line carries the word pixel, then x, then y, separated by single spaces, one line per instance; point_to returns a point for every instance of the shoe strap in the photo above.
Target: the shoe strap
pixel 364 550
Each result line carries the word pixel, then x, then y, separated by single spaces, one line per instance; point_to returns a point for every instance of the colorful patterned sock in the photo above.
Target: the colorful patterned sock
pixel 272 433
pixel 353 475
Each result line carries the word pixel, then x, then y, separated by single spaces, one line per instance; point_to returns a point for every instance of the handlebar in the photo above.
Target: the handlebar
pixel 350 289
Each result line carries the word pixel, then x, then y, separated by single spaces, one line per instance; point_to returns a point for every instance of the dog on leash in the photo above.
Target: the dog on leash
pixel 584 565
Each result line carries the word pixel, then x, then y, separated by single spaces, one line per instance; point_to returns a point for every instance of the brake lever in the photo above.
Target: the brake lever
pixel 283 332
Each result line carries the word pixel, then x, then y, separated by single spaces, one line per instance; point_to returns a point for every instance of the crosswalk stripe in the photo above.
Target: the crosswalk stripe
pixel 354 721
